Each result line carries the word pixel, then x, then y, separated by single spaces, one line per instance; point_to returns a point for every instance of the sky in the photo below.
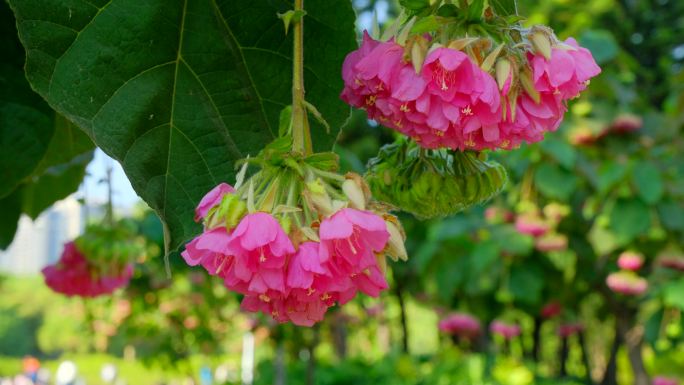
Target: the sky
pixel 96 193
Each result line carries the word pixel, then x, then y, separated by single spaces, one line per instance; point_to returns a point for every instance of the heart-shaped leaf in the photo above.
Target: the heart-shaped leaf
pixel 178 90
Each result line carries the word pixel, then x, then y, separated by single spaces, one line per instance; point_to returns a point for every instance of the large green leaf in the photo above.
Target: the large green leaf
pixel 555 182
pixel 10 206
pixel 629 218
pixel 177 90
pixel 25 119
pixel 648 181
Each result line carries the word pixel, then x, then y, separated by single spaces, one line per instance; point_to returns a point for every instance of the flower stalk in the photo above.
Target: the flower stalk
pixel 301 135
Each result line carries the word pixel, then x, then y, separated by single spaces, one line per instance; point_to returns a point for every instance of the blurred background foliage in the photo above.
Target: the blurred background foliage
pixel 616 167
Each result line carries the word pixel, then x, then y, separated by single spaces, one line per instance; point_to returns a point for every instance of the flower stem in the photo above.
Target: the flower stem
pixel 301 135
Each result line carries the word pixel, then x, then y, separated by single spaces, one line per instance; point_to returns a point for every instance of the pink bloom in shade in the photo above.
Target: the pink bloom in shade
pixel 566 73
pixel 212 199
pixel 627 283
pixel 74 276
pixel 568 329
pixel 460 324
pixel 349 240
pixel 673 261
pixel 507 331
pixel 551 242
pixel 626 123
pixel 660 380
pixel 551 310
pixel 531 224
pixel 630 261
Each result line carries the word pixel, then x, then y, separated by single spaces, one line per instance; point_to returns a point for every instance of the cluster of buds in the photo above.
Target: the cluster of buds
pixel 433 183
pixel 506 330
pixel 448 89
pixel 461 325
pixel 542 225
pixel 96 263
pixel 296 237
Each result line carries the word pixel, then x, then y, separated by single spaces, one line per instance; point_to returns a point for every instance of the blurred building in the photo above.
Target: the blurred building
pixel 38 243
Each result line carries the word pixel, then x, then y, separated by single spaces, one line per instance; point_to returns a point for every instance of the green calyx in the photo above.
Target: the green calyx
pixel 432 183
pixel 110 247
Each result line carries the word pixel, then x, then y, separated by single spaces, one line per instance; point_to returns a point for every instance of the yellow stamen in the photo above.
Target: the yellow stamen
pixel 371 100
pixel 310 291
pixel 264 298
pixel 404 108
pixel 467 111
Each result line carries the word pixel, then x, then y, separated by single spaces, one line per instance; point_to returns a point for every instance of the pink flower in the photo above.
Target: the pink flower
pixel 551 309
pixel 507 331
pixel 212 199
pixel 531 224
pixel 627 283
pixel 672 260
pixel 349 240
pixel 567 72
pixel 566 330
pixel 460 324
pixel 626 123
pixel 630 261
pixel 551 242
pixel 74 275
pixel 660 380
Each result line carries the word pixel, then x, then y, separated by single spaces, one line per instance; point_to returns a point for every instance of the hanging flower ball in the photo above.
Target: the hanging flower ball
pixel 461 325
pixel 627 283
pixel 551 310
pixel 565 330
pixel 505 330
pixel 96 263
pixel 306 239
pixel 551 242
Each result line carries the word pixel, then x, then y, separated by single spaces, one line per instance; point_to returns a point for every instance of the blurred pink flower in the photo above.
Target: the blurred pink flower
pixel 629 260
pixel 505 330
pixel 627 283
pixel 551 309
pixel 660 380
pixel 460 324
pixel 568 329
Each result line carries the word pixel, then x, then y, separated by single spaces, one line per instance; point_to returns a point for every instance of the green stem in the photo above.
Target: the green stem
pixel 301 135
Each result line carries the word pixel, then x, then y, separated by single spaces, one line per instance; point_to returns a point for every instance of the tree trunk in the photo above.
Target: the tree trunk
pixel 340 337
pixel 280 376
pixel 536 339
pixel 311 364
pixel 633 337
pixel 610 375
pixel 585 356
pixel 399 290
pixel 563 357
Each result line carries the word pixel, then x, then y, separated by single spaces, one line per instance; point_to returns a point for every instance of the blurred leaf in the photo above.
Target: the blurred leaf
pixel 601 43
pixel 483 256
pixel 560 150
pixel 648 181
pixel 526 283
pixel 503 7
pixel 602 240
pixel 511 241
pixel 652 326
pixel 673 294
pixel 475 10
pixel 609 174
pixel 414 5
pixel 629 218
pixel 672 214
pixel 555 182
pixel 427 24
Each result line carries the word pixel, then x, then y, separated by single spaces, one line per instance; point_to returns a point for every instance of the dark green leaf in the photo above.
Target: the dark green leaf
pixel 560 150
pixel 10 206
pixel 476 10
pixel 673 294
pixel 648 182
pixel 526 283
pixel 176 90
pixel 26 124
pixel 426 24
pixel 554 182
pixel 609 174
pixel 629 218
pixel 503 7
pixel 483 256
pixel 414 5
pixel 672 214
pixel 511 241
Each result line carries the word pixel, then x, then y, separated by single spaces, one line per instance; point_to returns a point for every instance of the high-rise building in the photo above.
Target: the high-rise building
pixel 39 243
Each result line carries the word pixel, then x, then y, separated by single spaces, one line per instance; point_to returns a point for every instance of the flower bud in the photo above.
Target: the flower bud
pixel 356 189
pixel 317 198
pixel 527 83
pixel 541 42
pixel 503 72
pixel 419 50
pixel 395 246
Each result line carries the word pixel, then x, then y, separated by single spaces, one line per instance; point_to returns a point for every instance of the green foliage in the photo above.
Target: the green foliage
pixel 177 92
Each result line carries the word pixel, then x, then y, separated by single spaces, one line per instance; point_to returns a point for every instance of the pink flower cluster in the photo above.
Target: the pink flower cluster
pixel 460 324
pixel 453 103
pixel 296 283
pixel 532 224
pixel 551 310
pixel 626 282
pixel 74 276
pixel 505 330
